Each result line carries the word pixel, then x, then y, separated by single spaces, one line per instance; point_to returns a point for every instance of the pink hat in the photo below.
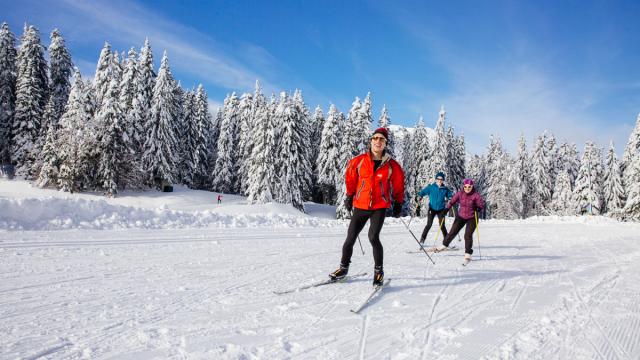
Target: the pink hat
pixel 467 182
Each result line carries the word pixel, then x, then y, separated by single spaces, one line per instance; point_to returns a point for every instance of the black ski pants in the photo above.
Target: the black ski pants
pixel 458 223
pixel 430 215
pixel 358 220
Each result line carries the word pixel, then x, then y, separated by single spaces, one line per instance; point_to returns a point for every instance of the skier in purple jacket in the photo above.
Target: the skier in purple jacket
pixel 470 202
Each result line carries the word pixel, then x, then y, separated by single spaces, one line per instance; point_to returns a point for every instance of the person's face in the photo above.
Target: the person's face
pixel 378 142
pixel 468 188
pixel 439 181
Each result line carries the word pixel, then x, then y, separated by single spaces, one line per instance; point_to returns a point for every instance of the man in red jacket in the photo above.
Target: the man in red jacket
pixel 374 182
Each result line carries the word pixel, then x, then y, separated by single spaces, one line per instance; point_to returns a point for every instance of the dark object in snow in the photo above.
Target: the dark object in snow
pixel 7 171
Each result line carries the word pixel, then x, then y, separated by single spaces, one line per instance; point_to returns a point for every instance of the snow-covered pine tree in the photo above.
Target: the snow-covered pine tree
pixel 141 103
pixel 48 174
pixel 306 127
pixel 291 154
pixel 540 178
pixel 72 136
pixel 476 170
pixel 385 122
pixel 8 55
pixel 568 160
pixel 614 192
pixel 188 136
pixel 315 136
pixel 409 168
pixel 347 152
pixel 631 209
pixel 353 138
pixel 328 162
pixel 364 119
pixel 160 147
pixel 439 146
pixel 128 92
pixel 60 71
pixel 115 148
pixel 502 201
pixel 37 154
pixel 262 171
pixel 522 169
pixel 588 190
pixel 224 174
pixel 245 141
pixel 179 125
pixel 497 170
pixel 632 148
pixel 554 159
pixel 104 74
pixel 562 200
pixel 422 174
pixel 204 140
pixel 452 160
pixel 213 144
pixel 32 87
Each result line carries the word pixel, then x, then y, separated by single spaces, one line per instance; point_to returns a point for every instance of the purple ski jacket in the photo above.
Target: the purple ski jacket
pixel 468 203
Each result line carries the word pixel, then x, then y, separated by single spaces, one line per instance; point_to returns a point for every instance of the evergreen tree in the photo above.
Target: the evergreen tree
pixel 328 162
pixel 224 171
pixel 262 171
pixel 354 138
pixel 522 169
pixel 614 194
pixel 32 86
pixel 364 119
pixel 554 159
pixel 568 160
pixel 632 207
pixel 502 201
pixel 632 148
pixel 160 147
pixel 291 154
pixel 128 92
pixel 204 140
pixel 476 170
pixel 306 128
pixel 348 149
pixel 8 56
pixel 562 200
pixel 189 138
pixel 385 122
pixel 72 136
pixel 115 148
pixel 48 174
pixel 104 74
pixel 141 103
pixel 439 147
pixel 497 171
pixel 316 127
pixel 588 190
pixel 409 166
pixel 422 174
pixel 540 178
pixel 60 69
pixel 245 143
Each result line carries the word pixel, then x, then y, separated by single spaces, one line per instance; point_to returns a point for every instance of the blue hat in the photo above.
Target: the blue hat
pixel 440 174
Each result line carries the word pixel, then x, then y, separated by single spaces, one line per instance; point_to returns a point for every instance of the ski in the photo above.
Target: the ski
pixel 433 250
pixel 319 283
pixel 376 290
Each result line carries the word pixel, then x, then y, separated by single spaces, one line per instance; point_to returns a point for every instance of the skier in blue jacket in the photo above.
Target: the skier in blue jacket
pixel 438 195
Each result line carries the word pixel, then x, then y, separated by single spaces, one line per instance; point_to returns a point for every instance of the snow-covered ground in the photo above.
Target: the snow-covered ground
pixel 156 276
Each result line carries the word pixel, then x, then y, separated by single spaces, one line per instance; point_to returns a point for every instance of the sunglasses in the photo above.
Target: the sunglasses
pixel 441 179
pixel 378 138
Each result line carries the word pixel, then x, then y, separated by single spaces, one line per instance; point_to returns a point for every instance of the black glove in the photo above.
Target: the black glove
pixel 397 209
pixel 348 203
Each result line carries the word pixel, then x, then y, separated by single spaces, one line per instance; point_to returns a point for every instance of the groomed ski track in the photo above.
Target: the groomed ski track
pixel 548 290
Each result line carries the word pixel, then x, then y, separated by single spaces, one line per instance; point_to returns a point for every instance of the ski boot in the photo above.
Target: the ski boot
pixel 340 273
pixel 378 276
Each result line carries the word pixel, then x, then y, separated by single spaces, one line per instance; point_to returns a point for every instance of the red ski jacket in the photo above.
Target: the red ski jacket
pixel 374 190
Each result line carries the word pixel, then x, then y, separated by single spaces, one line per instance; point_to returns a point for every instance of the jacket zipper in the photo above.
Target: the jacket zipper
pixel 382 192
pixel 360 190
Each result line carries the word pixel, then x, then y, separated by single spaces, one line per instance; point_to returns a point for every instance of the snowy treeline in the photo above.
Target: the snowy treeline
pixel 130 127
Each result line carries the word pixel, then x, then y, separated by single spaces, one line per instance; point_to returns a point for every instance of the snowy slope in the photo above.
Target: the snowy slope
pixel 554 288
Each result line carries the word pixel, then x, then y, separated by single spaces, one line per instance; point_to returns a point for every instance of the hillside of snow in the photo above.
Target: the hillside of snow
pixel 151 275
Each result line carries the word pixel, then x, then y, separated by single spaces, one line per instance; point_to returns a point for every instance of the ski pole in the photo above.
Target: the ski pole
pixel 478 230
pixel 418 241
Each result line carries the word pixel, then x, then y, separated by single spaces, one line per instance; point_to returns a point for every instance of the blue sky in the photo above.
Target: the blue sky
pixel 499 67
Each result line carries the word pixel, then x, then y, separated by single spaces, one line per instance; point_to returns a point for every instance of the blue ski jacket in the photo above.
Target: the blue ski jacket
pixel 437 196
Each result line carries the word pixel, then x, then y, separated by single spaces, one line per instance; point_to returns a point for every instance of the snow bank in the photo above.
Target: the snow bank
pixel 54 213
